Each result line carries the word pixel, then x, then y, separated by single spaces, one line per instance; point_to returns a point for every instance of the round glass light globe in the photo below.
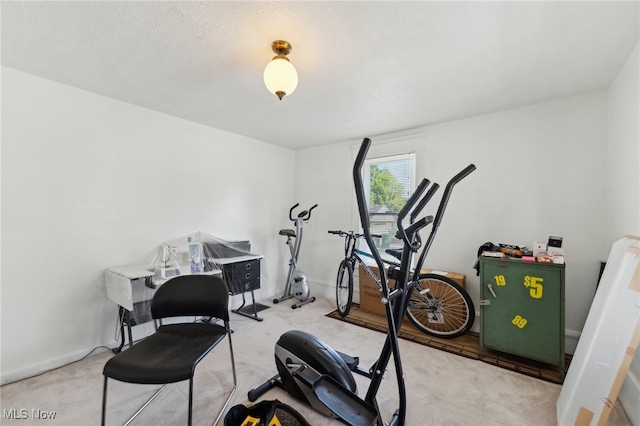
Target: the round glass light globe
pixel 280 76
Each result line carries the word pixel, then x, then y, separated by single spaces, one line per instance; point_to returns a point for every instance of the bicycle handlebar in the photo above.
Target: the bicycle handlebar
pixel 343 233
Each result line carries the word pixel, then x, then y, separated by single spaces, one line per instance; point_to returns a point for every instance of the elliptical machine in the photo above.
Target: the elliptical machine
pixel 313 372
pixel 297 285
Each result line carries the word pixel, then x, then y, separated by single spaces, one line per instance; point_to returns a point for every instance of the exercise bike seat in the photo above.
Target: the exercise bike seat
pixel 288 233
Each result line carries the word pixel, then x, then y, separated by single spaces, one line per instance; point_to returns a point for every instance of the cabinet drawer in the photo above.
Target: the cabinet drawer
pixel 243 270
pixel 242 276
pixel 237 287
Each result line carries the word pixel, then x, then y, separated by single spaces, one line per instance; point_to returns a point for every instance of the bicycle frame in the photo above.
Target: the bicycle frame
pixel 436 306
pixel 366 267
pixel 355 255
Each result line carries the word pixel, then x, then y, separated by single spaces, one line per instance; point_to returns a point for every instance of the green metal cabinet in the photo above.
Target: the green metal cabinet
pixel 522 309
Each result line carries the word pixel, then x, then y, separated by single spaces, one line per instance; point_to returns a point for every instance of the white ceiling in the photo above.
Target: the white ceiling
pixel 365 68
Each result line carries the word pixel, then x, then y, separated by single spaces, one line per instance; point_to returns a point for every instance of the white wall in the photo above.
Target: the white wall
pixel 623 184
pixel 540 172
pixel 88 183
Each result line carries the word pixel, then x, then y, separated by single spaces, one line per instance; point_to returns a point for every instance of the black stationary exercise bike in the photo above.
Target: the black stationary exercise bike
pixel 316 374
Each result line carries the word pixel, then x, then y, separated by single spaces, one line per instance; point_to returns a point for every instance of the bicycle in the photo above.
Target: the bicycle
pixel 438 306
pixel 344 290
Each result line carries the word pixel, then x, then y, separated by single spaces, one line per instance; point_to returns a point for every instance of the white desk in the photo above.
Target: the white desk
pixel 122 281
pixel 132 288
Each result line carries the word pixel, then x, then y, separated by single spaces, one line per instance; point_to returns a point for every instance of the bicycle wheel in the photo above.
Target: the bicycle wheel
pixel 344 287
pixel 440 307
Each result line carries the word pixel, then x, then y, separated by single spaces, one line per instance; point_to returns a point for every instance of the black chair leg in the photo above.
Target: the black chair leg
pixel 104 400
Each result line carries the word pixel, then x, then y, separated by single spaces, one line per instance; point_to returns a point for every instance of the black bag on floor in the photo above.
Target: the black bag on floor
pixel 264 413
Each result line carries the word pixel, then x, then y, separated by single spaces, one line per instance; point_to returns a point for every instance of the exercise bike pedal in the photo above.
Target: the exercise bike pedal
pixel 344 404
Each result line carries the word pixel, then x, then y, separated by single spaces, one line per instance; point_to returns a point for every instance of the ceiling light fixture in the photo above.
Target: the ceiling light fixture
pixel 280 76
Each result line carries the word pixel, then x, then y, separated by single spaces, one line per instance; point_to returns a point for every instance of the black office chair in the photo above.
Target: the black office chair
pixel 171 354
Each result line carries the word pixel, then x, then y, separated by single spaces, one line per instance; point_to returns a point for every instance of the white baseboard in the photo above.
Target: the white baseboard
pixel 327 290
pixel 571 338
pixel 51 364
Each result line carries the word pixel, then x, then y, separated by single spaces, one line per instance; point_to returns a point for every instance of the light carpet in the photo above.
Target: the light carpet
pixel 443 389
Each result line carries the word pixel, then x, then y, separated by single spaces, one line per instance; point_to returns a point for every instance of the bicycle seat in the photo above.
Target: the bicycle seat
pixel 397 253
pixel 288 232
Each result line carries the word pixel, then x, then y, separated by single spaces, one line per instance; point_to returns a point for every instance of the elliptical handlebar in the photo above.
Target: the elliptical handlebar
pixel 411 202
pixel 423 202
pixel 440 213
pixel 417 226
pixel 304 215
pixel 396 311
pixel 364 211
pixel 409 205
pixel 447 193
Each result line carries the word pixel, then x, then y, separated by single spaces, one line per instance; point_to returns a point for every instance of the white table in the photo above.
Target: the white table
pixel 132 288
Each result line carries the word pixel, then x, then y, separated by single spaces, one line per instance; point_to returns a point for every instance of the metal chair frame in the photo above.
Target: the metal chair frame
pixel 158 324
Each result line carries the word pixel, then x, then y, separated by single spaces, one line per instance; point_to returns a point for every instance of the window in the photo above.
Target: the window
pixel 388 183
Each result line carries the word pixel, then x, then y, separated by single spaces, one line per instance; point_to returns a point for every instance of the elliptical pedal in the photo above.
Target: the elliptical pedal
pixel 345 404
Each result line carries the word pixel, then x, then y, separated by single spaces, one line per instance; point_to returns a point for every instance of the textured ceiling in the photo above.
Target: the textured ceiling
pixel 365 68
